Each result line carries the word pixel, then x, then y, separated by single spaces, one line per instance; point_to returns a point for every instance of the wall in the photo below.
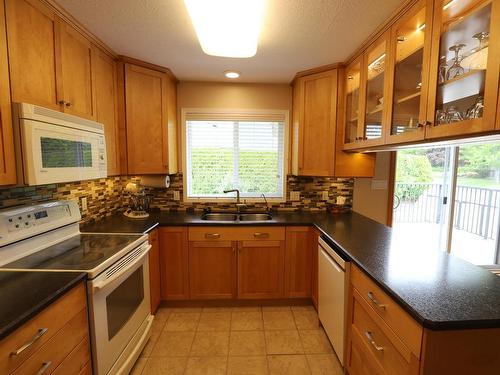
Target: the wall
pixel 370 196
pixel 104 196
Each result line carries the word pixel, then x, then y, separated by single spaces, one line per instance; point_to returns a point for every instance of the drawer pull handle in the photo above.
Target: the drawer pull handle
pixel 369 336
pixel 39 334
pixel 261 235
pixel 375 301
pixel 212 235
pixel 44 368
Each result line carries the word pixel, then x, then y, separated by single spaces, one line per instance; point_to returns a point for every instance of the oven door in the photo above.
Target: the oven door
pixel 54 153
pixel 119 305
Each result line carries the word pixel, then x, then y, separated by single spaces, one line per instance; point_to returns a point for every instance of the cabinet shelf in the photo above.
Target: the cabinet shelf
pixel 408 97
pixel 377 109
pixel 461 77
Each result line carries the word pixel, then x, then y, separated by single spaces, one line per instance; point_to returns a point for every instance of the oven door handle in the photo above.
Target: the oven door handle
pixel 102 284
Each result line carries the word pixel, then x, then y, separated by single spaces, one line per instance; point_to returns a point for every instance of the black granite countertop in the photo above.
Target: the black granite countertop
pixel 439 290
pixel 24 294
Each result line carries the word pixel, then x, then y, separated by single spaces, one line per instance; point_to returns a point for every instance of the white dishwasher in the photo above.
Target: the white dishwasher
pixel 332 295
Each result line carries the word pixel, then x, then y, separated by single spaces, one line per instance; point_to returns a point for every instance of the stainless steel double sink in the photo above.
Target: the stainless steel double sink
pixel 231 217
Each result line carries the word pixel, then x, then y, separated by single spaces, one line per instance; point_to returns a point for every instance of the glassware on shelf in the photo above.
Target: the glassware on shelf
pixel 454 115
pixel 442 69
pixel 476 110
pixel 455 70
pixel 441 117
pixel 483 37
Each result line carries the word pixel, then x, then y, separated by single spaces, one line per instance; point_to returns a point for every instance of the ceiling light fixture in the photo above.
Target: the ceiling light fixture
pixel 227 28
pixel 449 4
pixel 231 74
pixel 421 27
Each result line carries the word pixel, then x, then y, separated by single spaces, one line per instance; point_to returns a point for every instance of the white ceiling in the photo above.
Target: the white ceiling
pixel 296 35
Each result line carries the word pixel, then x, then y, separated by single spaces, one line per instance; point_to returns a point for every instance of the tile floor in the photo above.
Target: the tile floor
pixel 237 340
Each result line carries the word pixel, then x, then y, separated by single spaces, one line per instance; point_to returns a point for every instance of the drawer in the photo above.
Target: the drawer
pixel 40 329
pixel 408 330
pixel 378 339
pixel 236 233
pixel 55 350
pixel 360 361
pixel 76 361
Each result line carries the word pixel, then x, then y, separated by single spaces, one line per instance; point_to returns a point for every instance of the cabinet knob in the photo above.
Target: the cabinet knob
pixel 61 102
pixel 68 104
pixel 420 125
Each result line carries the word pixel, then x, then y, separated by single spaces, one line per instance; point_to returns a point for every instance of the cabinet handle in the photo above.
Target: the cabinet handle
pixel 68 104
pixel 420 125
pixel 44 367
pixel 212 236
pixel 61 102
pixel 261 235
pixel 39 334
pixel 370 339
pixel 375 301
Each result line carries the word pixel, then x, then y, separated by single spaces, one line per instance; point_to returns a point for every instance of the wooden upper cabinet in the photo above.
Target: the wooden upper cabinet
pixel 76 84
pixel 374 92
pixel 317 140
pixel 351 104
pixel 261 266
pixel 316 100
pixel 106 107
pixel 147 98
pixel 408 68
pixel 7 161
pixel 465 67
pixel 31 33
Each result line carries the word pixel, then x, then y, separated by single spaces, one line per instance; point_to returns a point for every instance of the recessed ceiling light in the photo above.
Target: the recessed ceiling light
pixel 231 74
pixel 227 28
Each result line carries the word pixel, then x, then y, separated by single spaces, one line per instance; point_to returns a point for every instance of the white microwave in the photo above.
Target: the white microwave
pixel 56 147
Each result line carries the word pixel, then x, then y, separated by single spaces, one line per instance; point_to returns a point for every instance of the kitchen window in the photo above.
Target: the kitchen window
pixel 229 150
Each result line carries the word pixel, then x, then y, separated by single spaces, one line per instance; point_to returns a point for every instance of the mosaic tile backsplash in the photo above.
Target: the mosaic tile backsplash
pixel 106 196
pixel 311 195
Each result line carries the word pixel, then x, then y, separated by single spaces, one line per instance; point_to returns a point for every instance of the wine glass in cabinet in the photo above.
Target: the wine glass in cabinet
pixel 410 45
pixel 465 65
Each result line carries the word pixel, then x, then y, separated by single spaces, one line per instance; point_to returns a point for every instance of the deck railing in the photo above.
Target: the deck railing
pixel 476 209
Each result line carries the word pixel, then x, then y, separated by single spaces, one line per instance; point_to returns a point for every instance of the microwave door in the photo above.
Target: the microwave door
pixel 55 153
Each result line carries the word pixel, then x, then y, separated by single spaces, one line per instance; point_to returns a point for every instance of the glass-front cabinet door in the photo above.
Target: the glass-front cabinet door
pixel 408 67
pixel 373 103
pixel 352 127
pixel 464 70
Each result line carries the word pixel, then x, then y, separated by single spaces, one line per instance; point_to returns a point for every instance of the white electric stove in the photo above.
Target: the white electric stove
pixel 46 237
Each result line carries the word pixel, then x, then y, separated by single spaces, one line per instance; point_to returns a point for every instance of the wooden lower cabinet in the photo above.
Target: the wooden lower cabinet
pixel 261 267
pixel 382 338
pixel 299 262
pixel 63 348
pixel 154 271
pixel 212 269
pixel 174 269
pixel 314 282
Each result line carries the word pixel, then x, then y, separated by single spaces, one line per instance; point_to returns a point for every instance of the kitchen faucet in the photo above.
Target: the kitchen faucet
pixel 239 205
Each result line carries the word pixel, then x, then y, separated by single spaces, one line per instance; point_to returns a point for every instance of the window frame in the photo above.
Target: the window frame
pixel 225 113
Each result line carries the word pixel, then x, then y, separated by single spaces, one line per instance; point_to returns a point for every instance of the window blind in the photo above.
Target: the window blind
pixel 237 152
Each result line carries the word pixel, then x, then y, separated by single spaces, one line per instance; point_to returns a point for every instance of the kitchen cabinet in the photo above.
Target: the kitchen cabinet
pixel 64 342
pixel 150 132
pixel 352 84
pixel 408 67
pixel 107 107
pixel 298 262
pixel 154 271
pixel 261 266
pixel 50 62
pixel 75 80
pixel 212 269
pixel 7 160
pixel 384 339
pixel 316 146
pixel 314 283
pixel 465 67
pixel 174 268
